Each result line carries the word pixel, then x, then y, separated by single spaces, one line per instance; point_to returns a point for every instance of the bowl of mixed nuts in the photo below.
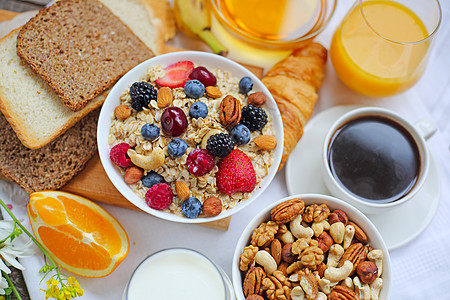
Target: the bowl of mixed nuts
pixel 311 246
pixel 190 136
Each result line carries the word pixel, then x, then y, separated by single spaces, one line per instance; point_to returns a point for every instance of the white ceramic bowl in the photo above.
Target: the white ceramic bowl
pixel 374 237
pixel 210 61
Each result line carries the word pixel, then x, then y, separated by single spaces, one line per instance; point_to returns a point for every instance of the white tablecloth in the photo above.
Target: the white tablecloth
pixel 420 269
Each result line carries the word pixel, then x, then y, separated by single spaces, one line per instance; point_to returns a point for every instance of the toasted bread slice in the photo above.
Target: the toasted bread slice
pixel 53 165
pixel 80 48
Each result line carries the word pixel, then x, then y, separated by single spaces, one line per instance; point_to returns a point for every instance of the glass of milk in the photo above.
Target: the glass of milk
pixel 178 273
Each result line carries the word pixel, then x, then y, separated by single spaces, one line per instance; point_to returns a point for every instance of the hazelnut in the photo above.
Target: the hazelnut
pixel 212 206
pixel 122 112
pixel 338 216
pixel 367 271
pixel 133 174
pixel 257 99
pixel 325 241
pixel 287 255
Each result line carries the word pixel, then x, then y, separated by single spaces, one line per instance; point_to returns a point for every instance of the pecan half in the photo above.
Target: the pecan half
pixel 287 211
pixel 356 253
pixel 338 216
pixel 253 281
pixel 341 292
pixel 230 111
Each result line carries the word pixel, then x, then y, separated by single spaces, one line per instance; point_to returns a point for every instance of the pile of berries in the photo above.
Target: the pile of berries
pixel 235 170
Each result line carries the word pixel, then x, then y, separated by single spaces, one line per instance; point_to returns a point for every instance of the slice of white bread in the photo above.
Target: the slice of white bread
pixel 151 20
pixel 34 111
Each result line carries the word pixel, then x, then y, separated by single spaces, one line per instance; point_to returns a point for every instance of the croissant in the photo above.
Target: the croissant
pixel 293 83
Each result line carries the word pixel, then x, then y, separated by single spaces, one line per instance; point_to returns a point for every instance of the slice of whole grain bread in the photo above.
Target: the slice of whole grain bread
pixel 80 48
pixel 49 167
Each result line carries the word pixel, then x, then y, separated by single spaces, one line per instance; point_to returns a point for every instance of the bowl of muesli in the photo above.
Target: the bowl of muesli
pixel 311 246
pixel 190 136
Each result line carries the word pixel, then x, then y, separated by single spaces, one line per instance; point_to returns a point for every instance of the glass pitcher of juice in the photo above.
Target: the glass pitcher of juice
pixel 381 46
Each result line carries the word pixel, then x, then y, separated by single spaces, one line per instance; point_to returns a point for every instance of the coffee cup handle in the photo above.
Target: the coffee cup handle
pixel 426 127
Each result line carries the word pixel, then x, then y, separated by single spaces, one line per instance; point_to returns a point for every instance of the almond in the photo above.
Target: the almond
pixel 164 97
pixel 182 190
pixel 133 174
pixel 266 142
pixel 122 112
pixel 213 92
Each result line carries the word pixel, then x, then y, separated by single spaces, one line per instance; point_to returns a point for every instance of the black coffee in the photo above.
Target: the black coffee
pixel 374 159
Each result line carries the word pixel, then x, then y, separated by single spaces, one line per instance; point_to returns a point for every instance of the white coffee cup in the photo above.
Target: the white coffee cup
pixel 362 164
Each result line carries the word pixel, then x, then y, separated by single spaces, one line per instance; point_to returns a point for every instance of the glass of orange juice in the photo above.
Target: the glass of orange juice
pixel 381 46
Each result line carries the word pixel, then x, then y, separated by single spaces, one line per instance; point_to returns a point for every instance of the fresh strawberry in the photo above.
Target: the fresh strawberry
pixel 236 173
pixel 177 74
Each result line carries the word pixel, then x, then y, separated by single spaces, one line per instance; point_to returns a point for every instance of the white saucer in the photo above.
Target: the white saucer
pixel 398 226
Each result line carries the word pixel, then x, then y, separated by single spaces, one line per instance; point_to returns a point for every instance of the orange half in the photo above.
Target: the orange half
pixel 79 235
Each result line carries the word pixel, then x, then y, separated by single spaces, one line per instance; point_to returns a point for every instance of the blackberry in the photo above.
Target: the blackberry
pixel 141 94
pixel 255 118
pixel 220 144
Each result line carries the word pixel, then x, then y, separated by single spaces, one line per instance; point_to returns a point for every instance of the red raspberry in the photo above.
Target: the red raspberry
pixel 236 173
pixel 159 196
pixel 118 155
pixel 199 162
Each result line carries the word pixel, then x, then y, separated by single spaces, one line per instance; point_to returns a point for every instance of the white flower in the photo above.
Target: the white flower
pixel 9 252
pixel 3 285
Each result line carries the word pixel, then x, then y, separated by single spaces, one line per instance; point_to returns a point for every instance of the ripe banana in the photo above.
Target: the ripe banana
pixel 194 19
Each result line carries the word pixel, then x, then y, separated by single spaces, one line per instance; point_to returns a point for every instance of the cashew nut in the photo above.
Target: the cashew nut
pixel 319 227
pixel 326 285
pixel 338 274
pixel 376 256
pixel 375 288
pixel 337 231
pixel 361 289
pixel 321 296
pixel 147 162
pixel 297 293
pixel 348 282
pixel 287 237
pixel 334 255
pixel 298 230
pixel 266 260
pixel 348 235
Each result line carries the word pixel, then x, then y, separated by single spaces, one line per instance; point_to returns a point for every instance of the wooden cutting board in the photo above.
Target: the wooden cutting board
pixel 94 184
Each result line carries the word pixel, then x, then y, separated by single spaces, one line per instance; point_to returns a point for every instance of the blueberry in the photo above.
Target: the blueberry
pixel 245 85
pixel 150 132
pixel 240 134
pixel 191 207
pixel 177 148
pixel 198 110
pixel 151 179
pixel 194 89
